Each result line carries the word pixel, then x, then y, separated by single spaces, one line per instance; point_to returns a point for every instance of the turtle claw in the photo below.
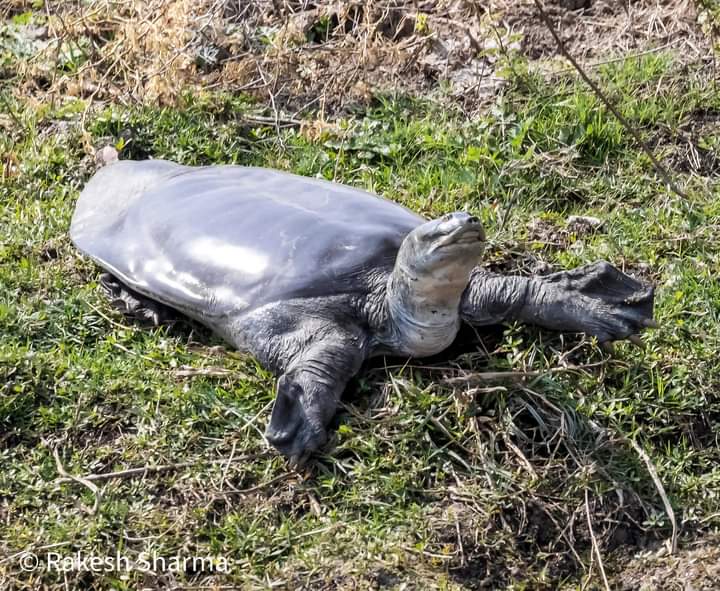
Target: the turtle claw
pixel 150 316
pixel 636 340
pixel 650 323
pixel 298 461
pixel 132 304
pixel 608 348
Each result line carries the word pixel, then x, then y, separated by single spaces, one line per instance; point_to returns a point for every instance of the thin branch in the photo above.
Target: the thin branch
pixel 596 548
pixel 257 487
pixel 216 372
pixel 661 170
pixel 88 479
pixel 653 474
pixel 11 112
pixel 623 58
pixel 80 480
pixel 483 376
pixel 661 490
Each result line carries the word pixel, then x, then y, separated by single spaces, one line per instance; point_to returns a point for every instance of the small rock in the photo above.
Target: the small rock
pixel 33 32
pixel 106 155
pixel 584 222
pixel 541 268
pixel 577 247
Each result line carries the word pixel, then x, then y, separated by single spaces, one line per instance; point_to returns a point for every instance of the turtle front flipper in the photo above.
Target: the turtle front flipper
pixel 597 299
pixel 309 390
pixel 133 304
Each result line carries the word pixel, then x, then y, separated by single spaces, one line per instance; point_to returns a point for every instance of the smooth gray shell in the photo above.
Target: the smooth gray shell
pixel 223 239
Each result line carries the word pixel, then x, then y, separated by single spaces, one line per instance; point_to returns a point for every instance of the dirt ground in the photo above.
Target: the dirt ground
pixel 325 57
pixel 694 568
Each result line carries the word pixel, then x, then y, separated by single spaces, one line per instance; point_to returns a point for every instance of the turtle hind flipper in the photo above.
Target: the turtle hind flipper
pixel 134 305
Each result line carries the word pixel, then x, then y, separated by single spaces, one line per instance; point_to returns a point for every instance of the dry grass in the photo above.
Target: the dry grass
pixel 323 56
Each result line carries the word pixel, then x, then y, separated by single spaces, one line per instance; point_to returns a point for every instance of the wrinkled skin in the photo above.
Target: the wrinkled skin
pixel 402 286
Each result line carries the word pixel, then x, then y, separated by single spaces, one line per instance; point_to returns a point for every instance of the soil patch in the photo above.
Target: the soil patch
pixel 319 56
pixel 695 567
pixel 592 28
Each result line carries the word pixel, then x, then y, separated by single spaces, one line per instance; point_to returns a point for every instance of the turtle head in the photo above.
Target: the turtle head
pixel 431 273
pixel 444 248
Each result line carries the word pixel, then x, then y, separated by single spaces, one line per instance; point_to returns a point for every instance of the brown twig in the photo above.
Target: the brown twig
pixel 655 478
pixel 622 58
pixel 79 479
pixel 661 170
pixel 257 487
pixel 215 372
pixel 11 111
pixel 596 548
pixel 661 491
pixel 88 479
pixel 518 375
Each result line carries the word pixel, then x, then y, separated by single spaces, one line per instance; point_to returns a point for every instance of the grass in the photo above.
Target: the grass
pixel 428 483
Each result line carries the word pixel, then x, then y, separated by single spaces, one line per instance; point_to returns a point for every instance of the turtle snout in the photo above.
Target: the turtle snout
pixel 465 218
pixel 452 222
pixel 461 226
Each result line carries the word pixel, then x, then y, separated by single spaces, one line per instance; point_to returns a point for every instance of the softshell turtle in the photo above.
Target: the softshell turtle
pixel 314 277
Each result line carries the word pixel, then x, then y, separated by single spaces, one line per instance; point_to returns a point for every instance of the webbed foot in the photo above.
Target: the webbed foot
pixel 134 305
pixel 597 299
pixel 299 417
